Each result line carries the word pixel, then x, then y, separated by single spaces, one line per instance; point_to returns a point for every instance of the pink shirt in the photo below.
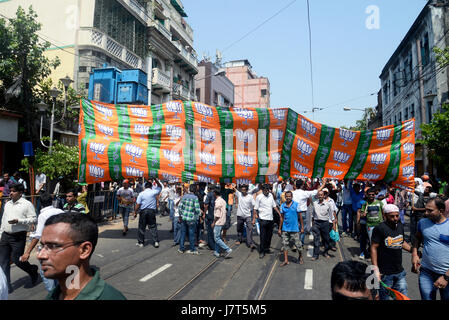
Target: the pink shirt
pixel 220 211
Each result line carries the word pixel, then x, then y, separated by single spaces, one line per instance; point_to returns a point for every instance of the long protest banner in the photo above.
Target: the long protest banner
pixel 191 141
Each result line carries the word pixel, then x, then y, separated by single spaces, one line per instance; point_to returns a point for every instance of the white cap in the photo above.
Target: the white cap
pixel 390 208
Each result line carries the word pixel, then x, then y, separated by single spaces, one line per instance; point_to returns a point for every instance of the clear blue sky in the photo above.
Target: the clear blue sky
pixel 347 57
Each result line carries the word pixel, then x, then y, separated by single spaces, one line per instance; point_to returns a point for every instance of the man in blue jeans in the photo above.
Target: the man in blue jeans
pixel 346 212
pixel 433 234
pixel 219 222
pixel 387 243
pixel 189 211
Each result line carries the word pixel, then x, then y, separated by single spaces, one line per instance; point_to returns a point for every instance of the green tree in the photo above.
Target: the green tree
pixel 436 138
pixel 23 66
pixel 63 161
pixel 361 125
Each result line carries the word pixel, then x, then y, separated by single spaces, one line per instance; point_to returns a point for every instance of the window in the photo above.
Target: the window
pixel 198 94
pixel 425 54
pixel 86 85
pixel 412 111
pixel 113 19
pixel 400 117
pixel 82 69
pixel 263 92
pixel 406 113
pixel 429 112
pixel 385 92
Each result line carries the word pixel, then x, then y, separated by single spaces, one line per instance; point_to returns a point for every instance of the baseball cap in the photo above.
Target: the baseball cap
pixel 326 190
pixel 390 208
pixel 126 181
pixel 425 177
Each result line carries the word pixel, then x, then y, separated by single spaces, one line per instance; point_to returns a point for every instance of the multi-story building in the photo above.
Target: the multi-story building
pixel 128 34
pixel 250 90
pixel 412 83
pixel 212 86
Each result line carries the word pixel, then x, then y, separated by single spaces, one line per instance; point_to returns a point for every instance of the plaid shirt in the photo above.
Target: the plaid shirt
pixel 189 208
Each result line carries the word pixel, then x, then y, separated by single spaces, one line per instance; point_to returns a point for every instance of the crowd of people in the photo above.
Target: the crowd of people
pixel 201 214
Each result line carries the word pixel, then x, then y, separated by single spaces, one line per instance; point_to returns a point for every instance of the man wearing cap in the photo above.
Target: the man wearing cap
pixel 387 243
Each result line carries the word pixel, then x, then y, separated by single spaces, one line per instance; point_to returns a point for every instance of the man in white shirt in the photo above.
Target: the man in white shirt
pixel 19 215
pixel 245 207
pixel 163 199
pixel 332 217
pixel 263 210
pixel 47 212
pixel 322 211
pixel 301 196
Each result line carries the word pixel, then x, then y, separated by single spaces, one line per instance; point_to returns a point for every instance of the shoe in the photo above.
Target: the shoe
pixel 268 251
pixel 237 242
pixel 193 252
pixel 156 244
pixel 344 234
pixel 253 247
pixel 216 254
pixel 362 256
pixel 35 275
pixel 202 245
pixel 261 255
pixel 228 253
pixel 334 249
pixel 180 251
pixel 139 244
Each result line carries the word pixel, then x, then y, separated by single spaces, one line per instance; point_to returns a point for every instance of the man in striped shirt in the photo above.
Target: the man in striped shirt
pixel 189 211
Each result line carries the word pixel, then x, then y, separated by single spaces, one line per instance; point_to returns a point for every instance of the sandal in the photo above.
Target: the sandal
pixel 284 263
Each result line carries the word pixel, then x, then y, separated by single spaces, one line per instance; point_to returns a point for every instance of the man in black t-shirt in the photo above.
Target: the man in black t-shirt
pixel 386 251
pixel 209 206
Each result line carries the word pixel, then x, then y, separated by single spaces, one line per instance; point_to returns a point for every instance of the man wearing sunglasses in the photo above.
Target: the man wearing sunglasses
pixel 66 246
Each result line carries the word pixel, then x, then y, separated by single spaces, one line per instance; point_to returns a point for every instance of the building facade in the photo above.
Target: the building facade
pixel 212 87
pixel 128 34
pixel 412 83
pixel 250 90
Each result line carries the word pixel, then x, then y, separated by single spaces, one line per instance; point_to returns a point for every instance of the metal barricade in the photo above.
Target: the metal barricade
pixel 102 204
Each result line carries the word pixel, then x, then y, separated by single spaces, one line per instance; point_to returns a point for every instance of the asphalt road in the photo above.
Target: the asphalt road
pixel 150 273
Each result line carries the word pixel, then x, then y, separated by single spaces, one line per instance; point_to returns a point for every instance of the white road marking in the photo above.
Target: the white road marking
pixel 309 251
pixel 114 251
pixel 100 255
pixel 310 237
pixel 234 223
pixel 308 283
pixel 155 273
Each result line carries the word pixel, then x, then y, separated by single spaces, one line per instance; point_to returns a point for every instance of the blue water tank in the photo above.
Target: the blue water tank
pixel 103 83
pixel 134 75
pixel 132 92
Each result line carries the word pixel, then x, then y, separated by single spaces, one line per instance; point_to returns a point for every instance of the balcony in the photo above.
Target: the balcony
pixel 137 10
pixel 91 37
pixel 180 92
pixel 177 24
pixel 186 55
pixel 161 80
pixel 162 29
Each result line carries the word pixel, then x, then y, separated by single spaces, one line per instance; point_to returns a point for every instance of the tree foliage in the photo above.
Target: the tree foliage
pixel 23 66
pixel 436 137
pixel 362 124
pixel 63 161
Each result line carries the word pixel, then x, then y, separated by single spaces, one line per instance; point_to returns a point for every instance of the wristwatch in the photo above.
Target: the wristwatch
pixel 446 277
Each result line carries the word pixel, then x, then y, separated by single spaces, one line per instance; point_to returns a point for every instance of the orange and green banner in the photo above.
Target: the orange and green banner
pixel 191 141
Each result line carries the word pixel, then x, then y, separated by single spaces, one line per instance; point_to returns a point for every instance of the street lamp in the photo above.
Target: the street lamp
pixel 54 93
pixel 364 110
